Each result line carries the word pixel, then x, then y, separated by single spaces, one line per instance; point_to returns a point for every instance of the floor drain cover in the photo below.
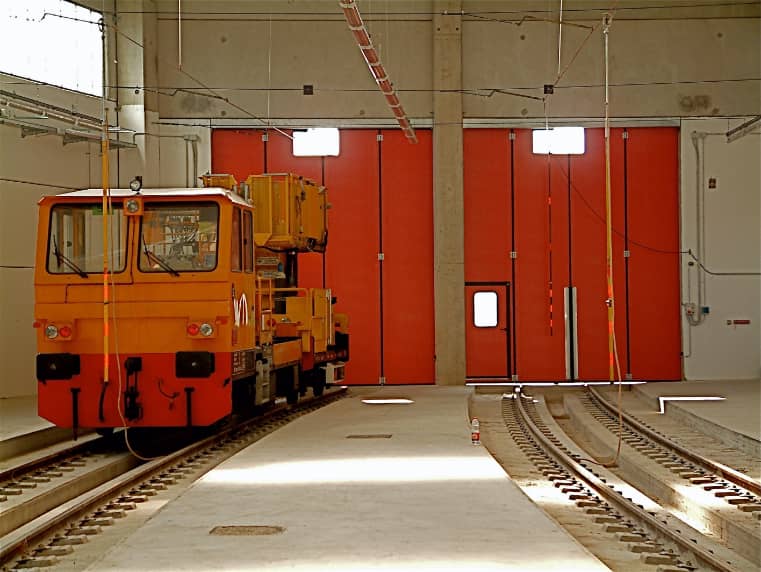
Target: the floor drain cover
pixel 246 530
pixel 370 436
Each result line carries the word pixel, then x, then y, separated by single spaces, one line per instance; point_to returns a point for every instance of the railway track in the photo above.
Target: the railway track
pixel 31 488
pixel 641 435
pixel 625 528
pixel 45 539
pixel 718 500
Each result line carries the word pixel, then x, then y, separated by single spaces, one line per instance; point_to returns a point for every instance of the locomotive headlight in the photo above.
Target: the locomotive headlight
pixel 136 184
pixel 206 329
pixel 51 332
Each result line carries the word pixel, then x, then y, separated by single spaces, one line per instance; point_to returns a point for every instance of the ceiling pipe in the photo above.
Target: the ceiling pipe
pixel 357 27
pixel 49 113
pixel 744 129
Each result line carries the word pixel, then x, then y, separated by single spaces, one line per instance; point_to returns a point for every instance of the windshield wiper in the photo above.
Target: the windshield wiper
pixel 61 257
pixel 158 260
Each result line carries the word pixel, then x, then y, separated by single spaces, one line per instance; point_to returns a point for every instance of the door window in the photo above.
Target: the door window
pixel 485 309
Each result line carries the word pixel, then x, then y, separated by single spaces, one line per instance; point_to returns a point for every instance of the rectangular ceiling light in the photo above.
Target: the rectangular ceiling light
pixel 317 142
pixel 558 141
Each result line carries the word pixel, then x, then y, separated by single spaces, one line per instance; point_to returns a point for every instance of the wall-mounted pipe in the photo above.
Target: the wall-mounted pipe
pixel 694 313
pixel 357 27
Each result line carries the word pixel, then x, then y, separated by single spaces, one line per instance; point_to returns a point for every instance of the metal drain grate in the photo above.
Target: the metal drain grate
pixel 246 530
pixel 370 436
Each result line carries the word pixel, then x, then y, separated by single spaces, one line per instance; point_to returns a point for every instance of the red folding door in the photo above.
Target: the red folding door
pixel 380 192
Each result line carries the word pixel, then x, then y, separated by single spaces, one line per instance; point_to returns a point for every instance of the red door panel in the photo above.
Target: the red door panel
pixel 239 152
pixel 654 243
pixel 486 180
pixel 353 246
pixel 486 347
pixel 542 267
pixel 588 253
pixel 408 312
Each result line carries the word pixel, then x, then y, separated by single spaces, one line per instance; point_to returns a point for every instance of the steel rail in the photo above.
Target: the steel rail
pixel 725 472
pixel 13 544
pixel 614 498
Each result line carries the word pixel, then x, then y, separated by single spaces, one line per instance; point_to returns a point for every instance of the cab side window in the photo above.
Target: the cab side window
pixel 235 247
pixel 248 242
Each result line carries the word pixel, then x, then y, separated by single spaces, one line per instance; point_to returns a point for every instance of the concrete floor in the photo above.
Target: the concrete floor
pixel 422 499
pixel 18 416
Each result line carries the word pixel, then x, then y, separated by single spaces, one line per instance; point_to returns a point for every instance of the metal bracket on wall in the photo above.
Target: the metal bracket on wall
pixel 381 381
pixel 381 256
pixel 379 137
pixel 513 254
pixel 265 137
pixel 625 135
pixel 627 254
pixel 32 131
pixel 511 136
pixel 514 377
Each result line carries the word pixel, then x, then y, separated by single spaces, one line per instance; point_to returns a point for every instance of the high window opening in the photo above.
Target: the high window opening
pixel 558 141
pixel 318 142
pixel 52 41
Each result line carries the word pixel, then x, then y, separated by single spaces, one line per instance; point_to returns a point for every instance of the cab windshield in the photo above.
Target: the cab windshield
pixel 75 240
pixel 179 237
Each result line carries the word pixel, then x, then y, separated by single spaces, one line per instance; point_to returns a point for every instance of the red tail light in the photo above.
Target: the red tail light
pixel 193 329
pixel 65 331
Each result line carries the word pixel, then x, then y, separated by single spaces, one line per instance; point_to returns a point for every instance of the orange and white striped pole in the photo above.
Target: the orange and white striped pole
pixel 105 209
pixel 608 221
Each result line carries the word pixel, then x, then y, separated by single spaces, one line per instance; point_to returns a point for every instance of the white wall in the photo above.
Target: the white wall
pixel 715 349
pixel 39 161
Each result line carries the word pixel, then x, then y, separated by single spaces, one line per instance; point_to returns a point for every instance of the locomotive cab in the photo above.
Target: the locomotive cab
pixel 183 330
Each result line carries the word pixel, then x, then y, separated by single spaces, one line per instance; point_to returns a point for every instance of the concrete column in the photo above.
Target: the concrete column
pixel 449 267
pixel 137 108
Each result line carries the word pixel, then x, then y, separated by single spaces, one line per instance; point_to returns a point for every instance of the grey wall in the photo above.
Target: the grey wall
pixel 670 51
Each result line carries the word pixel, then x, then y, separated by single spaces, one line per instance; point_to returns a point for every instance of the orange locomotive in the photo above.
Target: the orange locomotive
pixel 205 317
